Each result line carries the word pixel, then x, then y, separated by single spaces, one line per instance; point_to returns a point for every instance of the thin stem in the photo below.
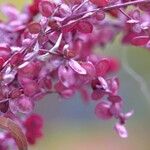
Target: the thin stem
pixel 126 4
pixel 124 13
pixel 107 8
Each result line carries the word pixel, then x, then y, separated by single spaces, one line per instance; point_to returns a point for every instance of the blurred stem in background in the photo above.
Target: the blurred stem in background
pixel 137 77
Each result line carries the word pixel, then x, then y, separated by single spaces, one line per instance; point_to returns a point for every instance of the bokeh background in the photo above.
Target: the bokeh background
pixel 71 125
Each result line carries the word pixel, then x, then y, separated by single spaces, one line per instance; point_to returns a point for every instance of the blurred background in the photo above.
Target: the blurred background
pixel 71 125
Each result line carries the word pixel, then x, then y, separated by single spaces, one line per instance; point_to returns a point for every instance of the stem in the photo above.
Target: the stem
pixel 107 8
pixel 126 4
pixel 15 131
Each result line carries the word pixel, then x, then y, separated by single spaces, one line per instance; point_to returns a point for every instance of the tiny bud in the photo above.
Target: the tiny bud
pixel 100 3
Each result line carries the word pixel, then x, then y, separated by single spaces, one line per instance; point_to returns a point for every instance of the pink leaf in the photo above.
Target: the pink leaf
pixel 73 1
pixel 34 28
pixel 140 40
pixel 66 76
pixel 102 67
pixel 5 51
pixel 10 11
pixel 46 8
pixel 116 109
pixel 90 68
pixel 102 111
pixel 24 105
pixel 69 28
pixel 121 130
pixel 77 67
pixel 100 3
pixel 97 95
pixel 85 27
pixel 115 98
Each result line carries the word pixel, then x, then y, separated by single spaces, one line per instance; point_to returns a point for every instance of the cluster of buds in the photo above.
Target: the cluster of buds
pixel 48 48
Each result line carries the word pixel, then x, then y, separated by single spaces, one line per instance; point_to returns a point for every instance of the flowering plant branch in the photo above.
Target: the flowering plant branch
pixel 48 48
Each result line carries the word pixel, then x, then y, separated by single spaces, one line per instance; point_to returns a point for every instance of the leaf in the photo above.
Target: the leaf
pixel 140 40
pixel 102 67
pixel 10 11
pixel 102 111
pixel 46 8
pixel 34 28
pixel 100 3
pixel 15 131
pixel 69 27
pixel 66 76
pixel 77 67
pixel 85 27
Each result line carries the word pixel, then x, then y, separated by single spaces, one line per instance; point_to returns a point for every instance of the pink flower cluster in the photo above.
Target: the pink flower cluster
pixel 48 48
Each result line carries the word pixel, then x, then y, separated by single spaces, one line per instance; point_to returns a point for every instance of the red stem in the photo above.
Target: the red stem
pixel 107 8
pixel 126 4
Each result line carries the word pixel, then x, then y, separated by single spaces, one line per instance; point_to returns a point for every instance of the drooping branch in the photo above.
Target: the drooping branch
pixel 126 4
pixel 87 14
pixel 15 131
